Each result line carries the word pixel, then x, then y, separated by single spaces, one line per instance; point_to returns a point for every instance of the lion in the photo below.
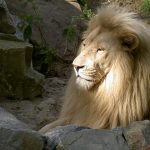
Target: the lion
pixel 110 84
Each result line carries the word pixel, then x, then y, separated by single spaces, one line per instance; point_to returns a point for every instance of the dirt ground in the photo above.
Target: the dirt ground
pixel 39 111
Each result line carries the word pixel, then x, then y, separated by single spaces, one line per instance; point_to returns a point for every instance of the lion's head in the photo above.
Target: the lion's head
pixel 112 47
pixel 110 86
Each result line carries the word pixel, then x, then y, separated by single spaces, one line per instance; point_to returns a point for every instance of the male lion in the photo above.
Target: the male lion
pixel 110 86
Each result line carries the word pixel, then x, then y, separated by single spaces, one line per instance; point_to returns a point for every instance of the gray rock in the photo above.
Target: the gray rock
pixel 15 135
pixel 17 77
pixel 138 135
pixel 81 138
pixel 135 137
pixel 6 21
pixel 56 16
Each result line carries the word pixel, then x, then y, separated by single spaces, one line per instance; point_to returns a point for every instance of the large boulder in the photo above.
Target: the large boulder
pixel 15 135
pixel 6 21
pixel 56 16
pixel 135 137
pixel 17 77
pixel 82 138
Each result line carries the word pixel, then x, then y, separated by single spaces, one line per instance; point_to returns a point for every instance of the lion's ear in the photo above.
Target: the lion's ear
pixel 130 41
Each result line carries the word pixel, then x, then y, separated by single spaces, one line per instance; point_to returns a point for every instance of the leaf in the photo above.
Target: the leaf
pixel 146 6
pixel 70 33
pixel 24 3
pixel 29 19
pixel 27 32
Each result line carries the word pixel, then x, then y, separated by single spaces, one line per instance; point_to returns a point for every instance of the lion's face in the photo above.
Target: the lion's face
pixel 98 54
pixel 93 62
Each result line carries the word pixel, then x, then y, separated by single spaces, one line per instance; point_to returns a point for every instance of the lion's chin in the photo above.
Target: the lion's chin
pixel 85 84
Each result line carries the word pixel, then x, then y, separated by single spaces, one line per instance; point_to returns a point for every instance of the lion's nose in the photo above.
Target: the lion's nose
pixel 76 67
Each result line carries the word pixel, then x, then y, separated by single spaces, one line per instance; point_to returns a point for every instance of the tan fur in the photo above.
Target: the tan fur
pixel 114 58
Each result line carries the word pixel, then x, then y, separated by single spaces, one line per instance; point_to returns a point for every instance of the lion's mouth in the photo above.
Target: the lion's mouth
pixel 85 78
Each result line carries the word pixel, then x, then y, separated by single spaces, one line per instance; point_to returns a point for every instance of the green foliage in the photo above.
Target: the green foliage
pixel 26 25
pixel 44 54
pixel 24 3
pixel 87 13
pixel 43 57
pixel 82 2
pixel 28 20
pixel 27 32
pixel 71 31
pixel 146 6
pixel 49 55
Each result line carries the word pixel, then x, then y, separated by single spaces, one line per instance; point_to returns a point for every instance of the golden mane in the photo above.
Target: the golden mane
pixel 124 95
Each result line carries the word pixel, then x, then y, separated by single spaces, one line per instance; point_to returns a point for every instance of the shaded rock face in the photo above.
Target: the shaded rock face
pixel 17 77
pixel 56 16
pixel 138 135
pixel 6 22
pixel 71 137
pixel 82 138
pixel 15 135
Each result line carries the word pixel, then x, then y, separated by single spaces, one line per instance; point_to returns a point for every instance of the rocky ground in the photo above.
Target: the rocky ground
pixel 41 110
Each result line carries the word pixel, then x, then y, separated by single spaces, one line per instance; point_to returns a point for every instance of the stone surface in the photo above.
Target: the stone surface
pixel 138 135
pixel 135 137
pixel 6 21
pixel 81 138
pixel 17 77
pixel 15 135
pixel 56 16
pixel 42 110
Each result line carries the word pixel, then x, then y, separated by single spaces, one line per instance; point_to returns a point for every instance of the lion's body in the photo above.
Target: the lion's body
pixel 119 91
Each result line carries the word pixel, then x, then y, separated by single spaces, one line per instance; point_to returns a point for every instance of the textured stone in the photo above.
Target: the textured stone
pixel 42 110
pixel 15 135
pixel 56 16
pixel 138 135
pixel 17 77
pixel 80 138
pixel 135 137
pixel 6 21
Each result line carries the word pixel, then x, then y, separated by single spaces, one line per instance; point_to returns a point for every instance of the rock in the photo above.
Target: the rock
pixel 16 135
pixel 55 136
pixel 42 110
pixel 17 77
pixel 138 135
pixel 81 138
pixel 6 22
pixel 71 137
pixel 56 16
pixel 35 113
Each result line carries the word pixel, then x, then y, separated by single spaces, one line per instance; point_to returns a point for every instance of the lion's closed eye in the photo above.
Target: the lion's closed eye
pixel 100 49
pixel 84 44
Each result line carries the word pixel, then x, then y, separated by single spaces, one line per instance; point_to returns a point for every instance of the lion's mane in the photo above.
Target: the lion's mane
pixel 124 95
